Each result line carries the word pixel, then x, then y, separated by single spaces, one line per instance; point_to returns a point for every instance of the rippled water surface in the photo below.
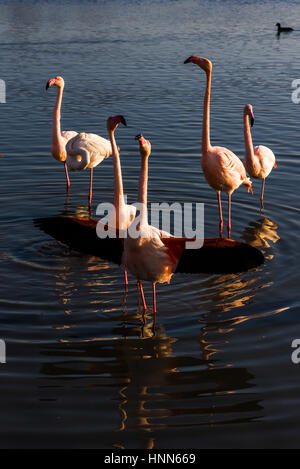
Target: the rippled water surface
pixel 83 369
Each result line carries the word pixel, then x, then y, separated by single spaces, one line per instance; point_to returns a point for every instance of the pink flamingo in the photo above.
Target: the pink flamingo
pixel 78 151
pixel 146 256
pixel 124 214
pixel 222 169
pixel 259 161
pixel 59 139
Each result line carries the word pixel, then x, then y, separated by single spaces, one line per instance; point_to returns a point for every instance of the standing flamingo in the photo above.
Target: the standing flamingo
pixel 259 161
pixel 59 139
pixel 222 169
pixel 77 151
pixel 146 256
pixel 124 214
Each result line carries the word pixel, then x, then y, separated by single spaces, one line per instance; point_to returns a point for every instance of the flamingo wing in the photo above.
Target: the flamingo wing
pixel 68 134
pixel 97 148
pixel 266 159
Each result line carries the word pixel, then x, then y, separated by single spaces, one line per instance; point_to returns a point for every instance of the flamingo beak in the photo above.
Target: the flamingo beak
pixel 141 139
pixel 50 82
pixel 252 120
pixel 123 121
pixel 188 60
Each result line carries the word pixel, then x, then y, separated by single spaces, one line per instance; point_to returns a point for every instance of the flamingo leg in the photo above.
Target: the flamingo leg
pixel 220 214
pixel 126 279
pixel 154 298
pixel 141 291
pixel 229 216
pixel 91 187
pixel 67 177
pixel 262 194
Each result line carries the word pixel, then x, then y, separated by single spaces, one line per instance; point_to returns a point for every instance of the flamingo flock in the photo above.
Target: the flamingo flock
pixel 153 255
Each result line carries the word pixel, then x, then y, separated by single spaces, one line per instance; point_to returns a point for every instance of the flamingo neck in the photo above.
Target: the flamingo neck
pixel 206 146
pixel 249 152
pixel 56 130
pixel 118 182
pixel 143 191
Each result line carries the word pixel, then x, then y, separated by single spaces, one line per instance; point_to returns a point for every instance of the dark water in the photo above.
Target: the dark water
pixel 82 370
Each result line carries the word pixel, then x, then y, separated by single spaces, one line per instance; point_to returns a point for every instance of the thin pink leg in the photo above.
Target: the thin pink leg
pixel 91 187
pixel 67 176
pixel 141 291
pixel 220 214
pixel 154 298
pixel 262 194
pixel 229 216
pixel 126 279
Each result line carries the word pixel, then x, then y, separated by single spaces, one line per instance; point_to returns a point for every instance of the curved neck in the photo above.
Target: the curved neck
pixel 249 152
pixel 206 115
pixel 118 182
pixel 143 190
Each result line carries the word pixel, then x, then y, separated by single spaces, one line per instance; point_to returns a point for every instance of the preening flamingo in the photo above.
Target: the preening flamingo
pixel 78 151
pixel 59 138
pixel 259 161
pixel 146 256
pixel 222 169
pixel 124 214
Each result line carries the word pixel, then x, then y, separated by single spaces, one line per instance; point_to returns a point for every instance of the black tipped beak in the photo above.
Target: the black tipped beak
pixel 137 137
pixel 123 121
pixel 252 121
pixel 47 85
pixel 187 60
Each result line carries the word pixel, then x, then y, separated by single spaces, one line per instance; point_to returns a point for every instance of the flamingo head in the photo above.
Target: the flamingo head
pixel 145 146
pixel 248 111
pixel 57 81
pixel 203 63
pixel 113 122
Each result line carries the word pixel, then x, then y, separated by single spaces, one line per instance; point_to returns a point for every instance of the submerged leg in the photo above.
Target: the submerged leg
pixel 67 177
pixel 220 214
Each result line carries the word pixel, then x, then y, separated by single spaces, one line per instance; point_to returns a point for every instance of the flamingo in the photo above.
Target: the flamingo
pixel 222 169
pixel 147 257
pixel 124 214
pixel 78 151
pixel 259 161
pixel 59 139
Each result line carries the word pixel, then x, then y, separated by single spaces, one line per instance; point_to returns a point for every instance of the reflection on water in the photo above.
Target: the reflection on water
pixel 84 367
pixel 261 232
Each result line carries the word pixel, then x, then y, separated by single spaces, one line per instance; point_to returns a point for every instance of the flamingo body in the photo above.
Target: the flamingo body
pixel 260 160
pixel 223 170
pixel 147 257
pixel 87 151
pixel 263 162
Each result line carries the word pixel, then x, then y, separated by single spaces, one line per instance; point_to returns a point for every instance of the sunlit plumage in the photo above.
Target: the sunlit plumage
pixel 222 169
pixel 260 160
